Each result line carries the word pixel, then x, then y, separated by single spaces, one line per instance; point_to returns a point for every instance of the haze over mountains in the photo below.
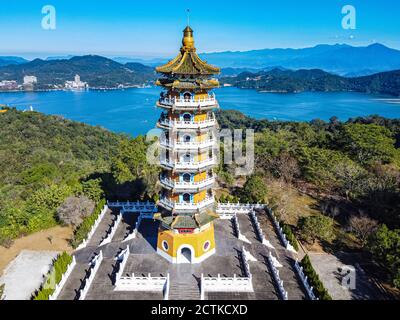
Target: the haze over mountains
pixel 341 59
pixel 321 68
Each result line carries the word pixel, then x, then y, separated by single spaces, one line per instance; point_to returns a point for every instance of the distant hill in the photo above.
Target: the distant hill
pixel 8 60
pixel 96 70
pixel 147 62
pixel 341 59
pixel 278 80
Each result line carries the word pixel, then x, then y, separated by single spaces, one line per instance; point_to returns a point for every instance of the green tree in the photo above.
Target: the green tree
pixel 330 169
pixel 316 227
pixel 254 190
pixel 92 189
pixel 384 245
pixel 369 143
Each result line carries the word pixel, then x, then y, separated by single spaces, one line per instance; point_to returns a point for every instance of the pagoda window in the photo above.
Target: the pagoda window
pixel 186 198
pixel 187 117
pixel 187 177
pixel 187 157
pixel 187 96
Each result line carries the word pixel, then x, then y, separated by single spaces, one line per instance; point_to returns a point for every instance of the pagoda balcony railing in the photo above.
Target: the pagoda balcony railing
pixel 179 103
pixel 172 205
pixel 184 185
pixel 192 145
pixel 179 124
pixel 188 165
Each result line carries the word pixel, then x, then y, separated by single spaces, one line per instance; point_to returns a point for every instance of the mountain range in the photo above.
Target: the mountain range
pixel 96 70
pixel 281 80
pixel 340 59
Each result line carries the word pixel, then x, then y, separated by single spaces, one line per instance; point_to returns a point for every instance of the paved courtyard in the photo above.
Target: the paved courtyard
pixel 25 273
pixel 184 278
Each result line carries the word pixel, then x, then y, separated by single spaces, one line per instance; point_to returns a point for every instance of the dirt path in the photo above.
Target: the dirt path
pixel 37 241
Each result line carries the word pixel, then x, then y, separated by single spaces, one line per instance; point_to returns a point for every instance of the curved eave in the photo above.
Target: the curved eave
pixel 188 63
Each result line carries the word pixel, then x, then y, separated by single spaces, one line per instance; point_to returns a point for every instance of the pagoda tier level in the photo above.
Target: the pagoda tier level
pixel 188 148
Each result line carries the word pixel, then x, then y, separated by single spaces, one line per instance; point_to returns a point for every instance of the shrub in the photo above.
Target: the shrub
pixel 60 265
pixel 314 280
pixel 287 230
pixel 313 227
pixel 83 229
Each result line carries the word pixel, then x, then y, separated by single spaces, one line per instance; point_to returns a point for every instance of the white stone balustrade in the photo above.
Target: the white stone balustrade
pixel 275 275
pixel 177 103
pixel 63 280
pixel 238 208
pixel 93 229
pixel 183 185
pixel 122 257
pixel 113 229
pixel 94 266
pixel 171 205
pixel 191 145
pixel 141 283
pixel 304 280
pixel 133 233
pixel 259 232
pixel 190 165
pixel 236 227
pixel 179 124
pixel 280 232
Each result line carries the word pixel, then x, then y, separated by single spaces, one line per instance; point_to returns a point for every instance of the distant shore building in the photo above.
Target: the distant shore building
pixel 8 85
pixel 76 84
pixel 188 155
pixel 30 80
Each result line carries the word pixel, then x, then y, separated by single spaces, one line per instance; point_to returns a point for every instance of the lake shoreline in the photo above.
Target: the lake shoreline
pixel 133 110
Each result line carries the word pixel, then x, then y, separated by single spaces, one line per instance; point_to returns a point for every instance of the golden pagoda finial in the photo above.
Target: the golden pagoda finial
pixel 188 40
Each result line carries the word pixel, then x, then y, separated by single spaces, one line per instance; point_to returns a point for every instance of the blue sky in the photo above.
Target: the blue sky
pixel 153 28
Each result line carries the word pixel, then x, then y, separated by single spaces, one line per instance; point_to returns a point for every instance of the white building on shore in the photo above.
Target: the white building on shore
pixel 30 80
pixel 76 84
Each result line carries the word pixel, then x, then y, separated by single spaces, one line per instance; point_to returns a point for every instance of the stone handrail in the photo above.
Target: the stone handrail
pixel 63 280
pixel 275 275
pixel 304 280
pixel 93 229
pixel 94 266
pixel 280 232
pixel 113 229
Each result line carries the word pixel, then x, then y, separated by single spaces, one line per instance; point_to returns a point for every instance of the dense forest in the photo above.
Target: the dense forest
pixel 52 166
pixel 352 168
pixel 282 80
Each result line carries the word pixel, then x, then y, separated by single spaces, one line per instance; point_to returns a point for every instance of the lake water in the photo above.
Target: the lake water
pixel 133 111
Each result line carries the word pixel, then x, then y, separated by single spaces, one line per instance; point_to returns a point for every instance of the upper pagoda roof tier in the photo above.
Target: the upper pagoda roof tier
pixel 188 85
pixel 187 62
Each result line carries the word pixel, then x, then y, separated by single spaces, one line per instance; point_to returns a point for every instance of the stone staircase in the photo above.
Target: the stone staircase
pixel 184 291
pixel 183 285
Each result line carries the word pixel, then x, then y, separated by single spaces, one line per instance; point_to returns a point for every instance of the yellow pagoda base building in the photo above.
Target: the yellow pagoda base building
pixel 188 147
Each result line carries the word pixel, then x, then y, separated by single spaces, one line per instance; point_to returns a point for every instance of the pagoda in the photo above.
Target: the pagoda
pixel 188 145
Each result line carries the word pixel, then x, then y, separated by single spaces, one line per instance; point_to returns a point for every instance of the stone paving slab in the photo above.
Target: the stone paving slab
pixel 25 273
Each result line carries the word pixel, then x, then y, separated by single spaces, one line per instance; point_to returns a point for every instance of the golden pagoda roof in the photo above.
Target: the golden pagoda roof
pixel 186 221
pixel 187 62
